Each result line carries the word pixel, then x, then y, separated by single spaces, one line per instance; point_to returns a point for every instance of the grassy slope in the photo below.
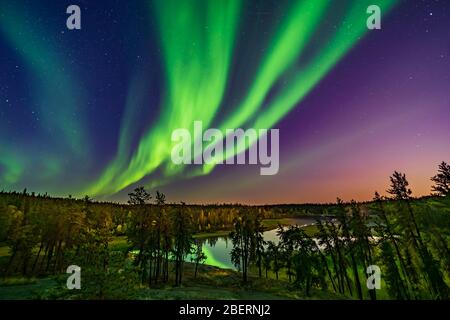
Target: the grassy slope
pixel 215 283
pixel 210 283
pixel 23 289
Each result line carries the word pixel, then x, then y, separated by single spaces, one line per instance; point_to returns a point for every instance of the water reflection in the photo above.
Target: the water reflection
pixel 218 249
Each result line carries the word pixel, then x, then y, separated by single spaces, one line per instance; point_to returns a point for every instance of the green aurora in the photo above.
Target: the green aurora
pixel 196 81
pixel 198 43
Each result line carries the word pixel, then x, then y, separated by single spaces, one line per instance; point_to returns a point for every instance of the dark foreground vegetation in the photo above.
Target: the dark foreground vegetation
pixel 163 258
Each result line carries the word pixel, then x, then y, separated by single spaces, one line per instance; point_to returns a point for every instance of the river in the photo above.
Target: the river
pixel 217 249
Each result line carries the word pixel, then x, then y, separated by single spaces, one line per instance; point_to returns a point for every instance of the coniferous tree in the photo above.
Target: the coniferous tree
pixel 349 244
pixel 442 180
pixel 273 251
pixel 399 281
pixel 258 242
pixel 242 238
pixel 437 286
pixel 182 241
pixel 198 255
pixel 139 198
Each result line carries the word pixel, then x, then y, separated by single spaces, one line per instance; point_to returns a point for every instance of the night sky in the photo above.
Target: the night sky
pixel 91 111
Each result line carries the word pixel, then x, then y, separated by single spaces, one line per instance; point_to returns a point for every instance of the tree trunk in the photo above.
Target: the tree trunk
pixel 37 258
pixel 356 275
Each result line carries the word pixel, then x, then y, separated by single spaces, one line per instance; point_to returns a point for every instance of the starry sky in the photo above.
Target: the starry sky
pixel 91 111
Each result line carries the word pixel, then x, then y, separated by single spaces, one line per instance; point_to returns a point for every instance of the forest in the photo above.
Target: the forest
pixel 151 249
